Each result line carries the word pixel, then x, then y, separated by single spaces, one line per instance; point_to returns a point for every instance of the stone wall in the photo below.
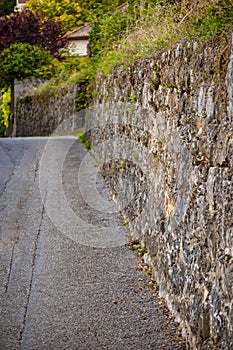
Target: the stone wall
pixel 38 110
pixel 162 132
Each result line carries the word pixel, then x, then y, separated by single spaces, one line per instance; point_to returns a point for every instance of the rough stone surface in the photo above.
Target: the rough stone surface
pixel 162 132
pixel 39 111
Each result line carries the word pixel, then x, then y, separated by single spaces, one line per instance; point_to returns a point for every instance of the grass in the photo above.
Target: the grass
pixel 160 27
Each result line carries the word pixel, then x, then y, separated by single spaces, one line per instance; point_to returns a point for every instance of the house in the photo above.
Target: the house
pixel 78 40
pixel 19 5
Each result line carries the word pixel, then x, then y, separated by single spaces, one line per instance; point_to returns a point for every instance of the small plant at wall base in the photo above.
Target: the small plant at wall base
pixel 153 284
pixel 83 139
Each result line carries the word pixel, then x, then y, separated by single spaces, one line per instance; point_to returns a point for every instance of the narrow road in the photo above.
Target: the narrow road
pixel 67 277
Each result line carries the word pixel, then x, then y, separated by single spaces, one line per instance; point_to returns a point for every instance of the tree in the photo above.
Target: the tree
pixel 6 7
pixel 28 27
pixel 68 12
pixel 20 61
pixel 72 13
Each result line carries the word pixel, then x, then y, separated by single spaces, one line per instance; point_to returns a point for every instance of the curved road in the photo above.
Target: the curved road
pixel 67 277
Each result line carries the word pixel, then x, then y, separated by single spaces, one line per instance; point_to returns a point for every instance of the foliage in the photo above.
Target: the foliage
pixel 5 109
pixel 70 13
pixel 120 39
pixel 27 27
pixel 61 71
pixel 48 70
pixel 6 7
pixel 72 70
pixel 108 30
pixel 68 67
pixel 142 250
pixel 219 17
pixel 84 79
pixel 84 140
pixel 20 61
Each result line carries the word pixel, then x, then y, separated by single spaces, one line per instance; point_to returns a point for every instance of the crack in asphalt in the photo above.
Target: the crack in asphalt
pixel 12 173
pixel 10 268
pixel 31 277
pixel 36 175
pixel 7 153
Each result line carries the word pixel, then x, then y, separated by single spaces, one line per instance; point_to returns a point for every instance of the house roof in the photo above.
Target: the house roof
pixel 21 2
pixel 122 7
pixel 83 32
pixel 79 33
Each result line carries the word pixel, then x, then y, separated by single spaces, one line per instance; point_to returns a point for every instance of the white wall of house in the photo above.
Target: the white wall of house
pixel 78 47
pixel 19 5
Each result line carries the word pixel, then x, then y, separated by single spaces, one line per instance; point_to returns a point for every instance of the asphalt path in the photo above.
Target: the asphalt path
pixel 67 277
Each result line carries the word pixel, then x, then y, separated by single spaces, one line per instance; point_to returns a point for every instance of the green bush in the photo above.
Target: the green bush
pixel 109 29
pixel 22 60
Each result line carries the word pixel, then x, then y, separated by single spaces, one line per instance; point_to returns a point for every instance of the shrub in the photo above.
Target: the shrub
pixel 5 110
pixel 22 60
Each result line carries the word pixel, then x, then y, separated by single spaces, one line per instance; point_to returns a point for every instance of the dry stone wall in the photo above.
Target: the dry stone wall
pixel 162 131
pixel 38 111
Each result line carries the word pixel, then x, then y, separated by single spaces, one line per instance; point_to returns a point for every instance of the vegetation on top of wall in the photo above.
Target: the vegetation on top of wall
pixel 73 70
pixel 122 38
pixel 107 30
